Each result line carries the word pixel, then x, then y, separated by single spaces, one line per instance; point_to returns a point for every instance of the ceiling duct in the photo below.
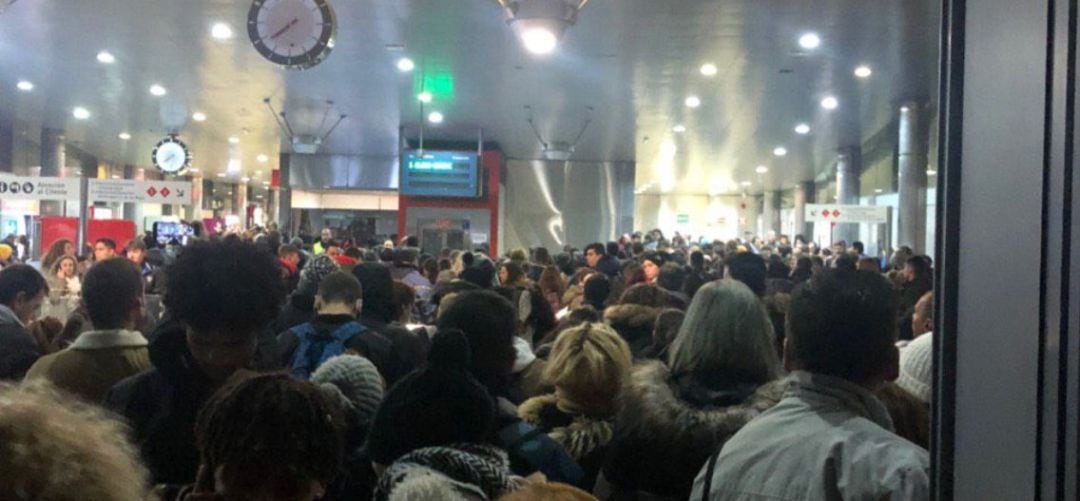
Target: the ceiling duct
pixel 540 24
pixel 306 144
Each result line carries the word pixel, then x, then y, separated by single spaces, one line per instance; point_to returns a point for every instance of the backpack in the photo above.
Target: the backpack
pixel 313 349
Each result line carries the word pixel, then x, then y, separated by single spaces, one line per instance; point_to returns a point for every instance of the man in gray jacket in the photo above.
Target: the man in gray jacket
pixel 829 438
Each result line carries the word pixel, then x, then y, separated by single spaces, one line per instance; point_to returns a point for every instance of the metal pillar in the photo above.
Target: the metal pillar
pixel 7 150
pixel 848 168
pixel 912 162
pixel 240 203
pixel 88 166
pixel 132 211
pixel 771 213
pixel 804 193
pixel 284 214
pixel 53 157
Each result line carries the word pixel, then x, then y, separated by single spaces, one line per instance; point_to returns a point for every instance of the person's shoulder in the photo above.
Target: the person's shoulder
pixel 134 391
pixel 43 367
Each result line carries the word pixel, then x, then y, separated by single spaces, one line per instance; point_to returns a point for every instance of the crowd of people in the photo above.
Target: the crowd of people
pixel 643 369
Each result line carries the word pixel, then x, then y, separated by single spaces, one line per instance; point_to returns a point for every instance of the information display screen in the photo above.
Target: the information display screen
pixel 165 232
pixel 440 174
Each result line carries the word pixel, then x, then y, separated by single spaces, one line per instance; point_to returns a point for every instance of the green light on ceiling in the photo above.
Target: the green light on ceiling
pixel 439 83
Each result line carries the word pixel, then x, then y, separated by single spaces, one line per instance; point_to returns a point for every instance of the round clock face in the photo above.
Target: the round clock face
pixel 297 34
pixel 171 155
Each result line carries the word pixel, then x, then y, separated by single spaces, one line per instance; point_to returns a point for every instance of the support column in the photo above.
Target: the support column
pixel 284 195
pixel 848 168
pixel 53 157
pixel 240 203
pixel 132 211
pixel 771 213
pixel 804 193
pixel 88 166
pixel 912 160
pixel 7 150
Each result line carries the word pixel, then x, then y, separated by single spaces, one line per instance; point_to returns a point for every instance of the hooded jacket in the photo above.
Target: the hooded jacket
pixel 634 323
pixel 664 433
pixel 161 405
pixel 18 350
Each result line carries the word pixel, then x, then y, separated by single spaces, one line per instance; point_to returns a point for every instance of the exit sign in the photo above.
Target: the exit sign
pixel 682 219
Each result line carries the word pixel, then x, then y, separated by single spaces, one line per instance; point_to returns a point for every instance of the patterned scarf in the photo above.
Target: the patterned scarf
pixel 459 471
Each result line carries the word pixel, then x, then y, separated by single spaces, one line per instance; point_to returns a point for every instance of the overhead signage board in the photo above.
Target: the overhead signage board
pixel 133 191
pixel 832 213
pixel 38 188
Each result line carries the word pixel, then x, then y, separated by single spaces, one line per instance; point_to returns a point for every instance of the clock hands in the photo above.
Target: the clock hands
pixel 286 28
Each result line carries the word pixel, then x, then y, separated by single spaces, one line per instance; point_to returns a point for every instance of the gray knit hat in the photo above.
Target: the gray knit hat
pixel 358 381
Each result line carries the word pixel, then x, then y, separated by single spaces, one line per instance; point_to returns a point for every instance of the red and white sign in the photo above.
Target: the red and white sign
pixel 130 190
pixel 830 213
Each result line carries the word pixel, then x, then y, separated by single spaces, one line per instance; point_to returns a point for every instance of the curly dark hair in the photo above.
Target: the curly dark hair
pixel 225 285
pixel 271 431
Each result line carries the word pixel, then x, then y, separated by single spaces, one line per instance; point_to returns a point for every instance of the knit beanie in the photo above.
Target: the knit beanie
pixel 358 381
pixel 916 360
pixel 466 471
pixel 313 273
pixel 5 252
pixel 440 404
pixel 479 270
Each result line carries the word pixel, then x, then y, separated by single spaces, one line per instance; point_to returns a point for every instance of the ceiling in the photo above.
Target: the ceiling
pixel 627 66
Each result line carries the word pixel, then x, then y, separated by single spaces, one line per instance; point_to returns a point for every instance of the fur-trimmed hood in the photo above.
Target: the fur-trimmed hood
pixel 661 440
pixel 634 322
pixel 580 435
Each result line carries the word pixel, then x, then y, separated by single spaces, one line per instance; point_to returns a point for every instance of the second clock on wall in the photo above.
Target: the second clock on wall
pixel 296 34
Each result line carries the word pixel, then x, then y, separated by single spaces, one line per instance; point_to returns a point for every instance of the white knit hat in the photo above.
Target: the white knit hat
pixel 358 381
pixel 916 360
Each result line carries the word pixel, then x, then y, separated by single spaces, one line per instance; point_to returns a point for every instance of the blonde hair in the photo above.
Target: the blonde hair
pixel 57 448
pixel 588 365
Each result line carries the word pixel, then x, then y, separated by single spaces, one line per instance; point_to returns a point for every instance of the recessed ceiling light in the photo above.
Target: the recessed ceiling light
pixel 761 169
pixel 931 172
pixel 779 151
pixel 25 86
pixel 746 183
pixel 266 183
pixel 114 176
pixel 830 103
pixel 80 113
pixel 435 117
pixel 809 41
pixel 262 158
pixel 221 174
pixel 221 31
pixel 194 169
pixel 405 64
pixel 424 97
pixel 234 140
pixel 708 69
pixel 802 129
pixel 539 40
pixel 125 136
pixel 198 116
pixel 157 90
pixel 692 102
pixel 258 196
pixel 863 71
pixel 245 179
pixel 879 190
pixel 678 129
pixel 106 57
pixel 904 109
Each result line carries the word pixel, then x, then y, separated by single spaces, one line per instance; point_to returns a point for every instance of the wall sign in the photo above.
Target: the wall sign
pixel 130 191
pixel 831 213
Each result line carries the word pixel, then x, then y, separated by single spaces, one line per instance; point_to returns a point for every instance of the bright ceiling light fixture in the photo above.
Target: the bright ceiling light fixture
pixel 809 41
pixel 157 90
pixel 802 129
pixel 262 159
pixel 221 174
pixel 106 57
pixel 405 65
pixel 709 69
pixel 435 117
pixel 80 113
pixel 540 24
pixel 678 129
pixel 692 102
pixel 124 135
pixel 245 179
pixel 221 31
pixel 779 151
pixel 234 140
pixel 863 71
pixel 830 103
pixel 931 172
pixel 761 169
pixel 198 116
pixel 879 190
pixel 424 97
pixel 746 183
pixel 25 86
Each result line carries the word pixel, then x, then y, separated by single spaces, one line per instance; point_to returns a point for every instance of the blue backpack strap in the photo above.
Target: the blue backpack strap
pixel 299 365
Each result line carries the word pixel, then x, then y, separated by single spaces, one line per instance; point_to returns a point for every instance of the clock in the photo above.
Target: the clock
pixel 171 155
pixel 296 34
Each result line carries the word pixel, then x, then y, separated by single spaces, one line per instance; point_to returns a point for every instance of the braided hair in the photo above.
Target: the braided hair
pixel 269 432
